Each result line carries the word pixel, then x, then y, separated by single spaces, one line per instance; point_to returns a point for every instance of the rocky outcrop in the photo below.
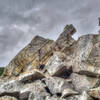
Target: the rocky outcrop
pixel 62 70
pixel 35 53
pixel 87 55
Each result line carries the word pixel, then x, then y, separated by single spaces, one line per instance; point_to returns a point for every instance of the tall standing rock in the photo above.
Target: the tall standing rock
pixel 87 55
pixel 36 52
pixel 65 39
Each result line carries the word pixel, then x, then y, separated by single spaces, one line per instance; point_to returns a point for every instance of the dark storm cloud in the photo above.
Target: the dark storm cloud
pixel 21 20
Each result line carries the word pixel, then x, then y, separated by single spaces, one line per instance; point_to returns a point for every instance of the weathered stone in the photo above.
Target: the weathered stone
pixel 95 92
pixel 57 85
pixel 22 85
pixel 11 88
pixel 30 76
pixel 68 92
pixel 58 66
pixel 8 98
pixel 38 92
pixel 65 40
pixel 82 82
pixel 85 96
pixel 34 88
pixel 87 55
pixel 35 53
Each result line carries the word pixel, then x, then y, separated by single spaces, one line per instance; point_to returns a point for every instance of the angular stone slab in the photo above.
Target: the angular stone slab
pixel 56 84
pixel 36 52
pixel 82 82
pixel 58 66
pixel 86 55
pixel 65 39
pixel 31 76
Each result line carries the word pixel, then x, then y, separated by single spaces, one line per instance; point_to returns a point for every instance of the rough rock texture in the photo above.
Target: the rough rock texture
pixel 87 56
pixel 82 82
pixel 35 53
pixel 62 70
pixel 95 92
pixel 56 85
pixel 58 65
pixel 7 98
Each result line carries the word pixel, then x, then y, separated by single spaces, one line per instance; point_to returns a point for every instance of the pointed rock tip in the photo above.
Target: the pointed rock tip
pixel 70 27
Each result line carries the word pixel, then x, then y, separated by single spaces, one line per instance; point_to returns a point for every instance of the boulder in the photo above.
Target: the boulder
pixel 11 88
pixel 82 82
pixel 57 85
pixel 86 55
pixel 31 76
pixel 58 66
pixel 65 39
pixel 35 53
pixel 38 92
pixel 33 89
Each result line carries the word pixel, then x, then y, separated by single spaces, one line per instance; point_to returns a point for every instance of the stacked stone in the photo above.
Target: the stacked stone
pixel 62 70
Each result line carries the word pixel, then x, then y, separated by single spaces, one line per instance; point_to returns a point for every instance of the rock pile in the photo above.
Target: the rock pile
pixel 62 70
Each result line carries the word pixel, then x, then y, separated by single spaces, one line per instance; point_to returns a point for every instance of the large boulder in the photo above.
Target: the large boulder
pixel 87 55
pixel 58 65
pixel 35 53
pixel 21 86
pixel 39 91
pixel 56 85
pixel 82 82
pixel 65 39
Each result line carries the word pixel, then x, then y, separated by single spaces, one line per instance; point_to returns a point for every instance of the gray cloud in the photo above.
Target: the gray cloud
pixel 21 20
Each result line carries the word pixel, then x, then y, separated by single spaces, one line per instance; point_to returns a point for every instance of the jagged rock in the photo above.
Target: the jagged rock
pixel 22 85
pixel 70 69
pixel 82 82
pixel 31 76
pixel 85 96
pixel 35 88
pixel 39 92
pixel 35 53
pixel 8 98
pixel 68 92
pixel 87 55
pixel 58 66
pixel 65 39
pixel 57 85
pixel 11 88
pixel 95 92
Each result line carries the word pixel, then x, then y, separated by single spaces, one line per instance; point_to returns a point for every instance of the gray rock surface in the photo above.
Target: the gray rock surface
pixel 82 82
pixel 57 85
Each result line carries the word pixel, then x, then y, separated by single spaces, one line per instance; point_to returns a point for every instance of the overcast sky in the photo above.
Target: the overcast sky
pixel 21 20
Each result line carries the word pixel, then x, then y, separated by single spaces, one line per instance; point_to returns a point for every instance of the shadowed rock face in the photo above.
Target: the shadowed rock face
pixel 36 52
pixel 62 70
